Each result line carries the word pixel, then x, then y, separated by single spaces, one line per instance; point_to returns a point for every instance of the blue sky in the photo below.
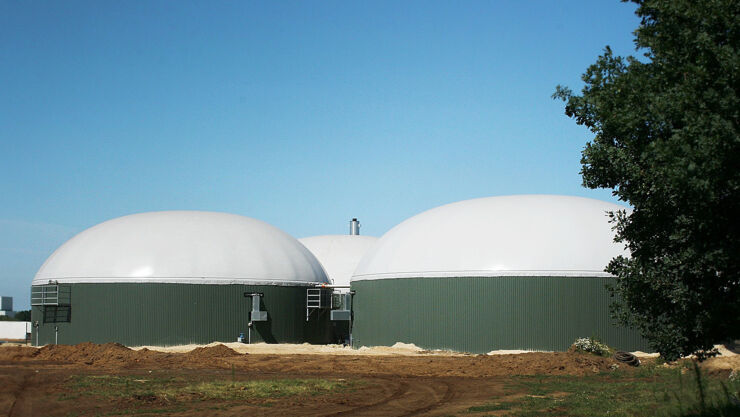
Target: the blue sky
pixel 301 114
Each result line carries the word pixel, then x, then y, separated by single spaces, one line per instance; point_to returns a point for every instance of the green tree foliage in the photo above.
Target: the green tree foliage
pixel 23 315
pixel 666 141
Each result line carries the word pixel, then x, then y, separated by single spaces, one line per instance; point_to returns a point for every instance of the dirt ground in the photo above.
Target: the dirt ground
pixel 402 382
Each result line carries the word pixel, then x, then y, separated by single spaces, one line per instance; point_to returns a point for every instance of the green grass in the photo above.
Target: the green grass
pixel 495 406
pixel 651 391
pixel 259 389
pixel 146 411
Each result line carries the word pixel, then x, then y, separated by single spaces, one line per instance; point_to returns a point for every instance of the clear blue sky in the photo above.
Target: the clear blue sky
pixel 301 114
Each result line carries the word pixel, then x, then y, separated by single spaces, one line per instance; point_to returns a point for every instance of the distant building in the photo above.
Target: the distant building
pixel 6 306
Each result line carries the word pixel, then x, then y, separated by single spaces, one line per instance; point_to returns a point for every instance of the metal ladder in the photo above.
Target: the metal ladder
pixel 315 300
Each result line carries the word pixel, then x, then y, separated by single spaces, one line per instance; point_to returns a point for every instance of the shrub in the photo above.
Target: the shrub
pixel 591 345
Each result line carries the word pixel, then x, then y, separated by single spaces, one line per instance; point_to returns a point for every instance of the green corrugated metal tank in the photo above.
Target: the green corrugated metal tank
pixel 177 277
pixel 513 272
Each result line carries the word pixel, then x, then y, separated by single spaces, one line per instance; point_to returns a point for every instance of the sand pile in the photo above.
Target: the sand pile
pixel 17 353
pixel 402 349
pixel 211 356
pixel 217 351
pixel 314 358
pixel 727 360
pixel 550 363
pixel 105 355
pixel 87 353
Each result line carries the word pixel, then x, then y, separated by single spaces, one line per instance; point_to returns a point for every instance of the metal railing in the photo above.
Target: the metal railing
pixel 50 295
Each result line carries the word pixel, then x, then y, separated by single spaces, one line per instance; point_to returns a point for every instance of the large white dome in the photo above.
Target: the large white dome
pixel 521 235
pixel 182 247
pixel 339 254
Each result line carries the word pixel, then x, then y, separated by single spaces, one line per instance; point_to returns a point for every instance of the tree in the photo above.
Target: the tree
pixel 666 142
pixel 23 315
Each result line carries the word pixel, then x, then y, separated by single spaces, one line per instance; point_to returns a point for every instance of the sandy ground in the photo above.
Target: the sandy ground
pixel 402 380
pixel 399 349
pixel 726 360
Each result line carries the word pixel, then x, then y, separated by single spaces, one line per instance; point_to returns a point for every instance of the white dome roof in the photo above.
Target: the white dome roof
pixel 339 254
pixel 182 247
pixel 522 235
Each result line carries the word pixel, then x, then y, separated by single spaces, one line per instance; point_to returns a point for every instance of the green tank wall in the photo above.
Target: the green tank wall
pixel 478 315
pixel 173 314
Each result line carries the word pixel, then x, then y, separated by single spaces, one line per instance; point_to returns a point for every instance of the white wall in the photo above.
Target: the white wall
pixel 14 329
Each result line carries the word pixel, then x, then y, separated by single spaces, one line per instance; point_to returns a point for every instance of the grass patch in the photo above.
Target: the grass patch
pixel 175 390
pixel 147 411
pixel 219 390
pixel 651 391
pixel 490 407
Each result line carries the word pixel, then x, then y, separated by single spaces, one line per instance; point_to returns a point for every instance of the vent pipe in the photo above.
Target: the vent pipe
pixel 354 227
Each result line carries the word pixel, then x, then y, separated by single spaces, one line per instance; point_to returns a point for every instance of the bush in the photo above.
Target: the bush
pixel 591 345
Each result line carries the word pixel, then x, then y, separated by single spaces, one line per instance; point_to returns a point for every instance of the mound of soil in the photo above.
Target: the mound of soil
pixel 217 351
pixel 216 356
pixel 17 353
pixel 553 363
pixel 116 356
pixel 88 353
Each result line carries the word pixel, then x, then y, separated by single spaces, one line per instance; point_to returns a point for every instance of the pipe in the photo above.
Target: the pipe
pixel 349 328
pixel 351 308
pixel 354 227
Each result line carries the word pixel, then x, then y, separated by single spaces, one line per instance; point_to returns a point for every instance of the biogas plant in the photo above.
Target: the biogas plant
pixel 513 272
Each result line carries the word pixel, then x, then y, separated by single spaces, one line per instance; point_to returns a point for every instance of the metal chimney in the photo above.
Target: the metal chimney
pixel 354 227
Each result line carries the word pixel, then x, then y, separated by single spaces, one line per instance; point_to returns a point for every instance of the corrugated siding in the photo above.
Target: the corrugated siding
pixel 475 314
pixel 173 314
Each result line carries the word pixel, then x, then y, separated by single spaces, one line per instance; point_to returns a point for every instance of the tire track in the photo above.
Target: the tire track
pixel 16 408
pixel 449 394
pixel 405 399
pixel 399 392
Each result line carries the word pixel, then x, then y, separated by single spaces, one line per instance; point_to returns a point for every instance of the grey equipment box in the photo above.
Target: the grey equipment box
pixel 341 315
pixel 259 316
